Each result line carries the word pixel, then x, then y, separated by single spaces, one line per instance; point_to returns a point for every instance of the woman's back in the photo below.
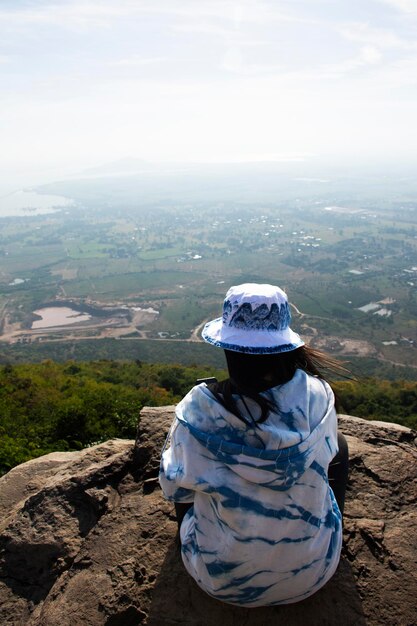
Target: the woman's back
pixel 258 493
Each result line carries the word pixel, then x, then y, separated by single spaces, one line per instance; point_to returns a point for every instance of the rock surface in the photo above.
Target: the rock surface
pixel 87 539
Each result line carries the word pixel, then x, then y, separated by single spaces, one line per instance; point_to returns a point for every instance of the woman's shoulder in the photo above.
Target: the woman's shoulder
pixel 315 383
pixel 197 406
pixel 304 389
pixel 201 409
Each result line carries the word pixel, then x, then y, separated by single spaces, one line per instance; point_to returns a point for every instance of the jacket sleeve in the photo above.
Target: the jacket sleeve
pixel 175 483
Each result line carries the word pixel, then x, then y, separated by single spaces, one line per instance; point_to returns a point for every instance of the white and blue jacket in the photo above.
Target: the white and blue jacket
pixel 265 527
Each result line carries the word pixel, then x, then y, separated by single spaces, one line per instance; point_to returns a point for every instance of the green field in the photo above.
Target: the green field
pixel 181 261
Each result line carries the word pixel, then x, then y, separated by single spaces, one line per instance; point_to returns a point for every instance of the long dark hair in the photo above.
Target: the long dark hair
pixel 250 374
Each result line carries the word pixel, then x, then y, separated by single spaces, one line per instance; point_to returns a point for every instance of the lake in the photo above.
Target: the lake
pixel 21 203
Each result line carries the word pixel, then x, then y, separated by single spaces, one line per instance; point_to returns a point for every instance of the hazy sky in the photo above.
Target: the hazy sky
pixel 86 82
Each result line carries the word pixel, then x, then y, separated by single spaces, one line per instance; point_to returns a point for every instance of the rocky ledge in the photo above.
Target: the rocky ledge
pixel 87 539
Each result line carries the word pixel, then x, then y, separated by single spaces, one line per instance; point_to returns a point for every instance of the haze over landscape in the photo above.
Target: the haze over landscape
pixel 155 152
pixel 85 83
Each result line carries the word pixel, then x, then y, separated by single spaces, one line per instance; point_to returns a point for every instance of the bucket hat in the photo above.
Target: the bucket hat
pixel 256 320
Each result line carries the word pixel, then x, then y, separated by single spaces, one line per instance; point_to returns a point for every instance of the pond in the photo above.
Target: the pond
pixel 59 316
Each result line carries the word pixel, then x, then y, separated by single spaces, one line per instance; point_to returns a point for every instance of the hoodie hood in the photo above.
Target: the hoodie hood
pixel 276 453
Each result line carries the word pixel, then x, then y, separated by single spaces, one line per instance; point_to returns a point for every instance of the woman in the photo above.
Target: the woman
pixel 248 460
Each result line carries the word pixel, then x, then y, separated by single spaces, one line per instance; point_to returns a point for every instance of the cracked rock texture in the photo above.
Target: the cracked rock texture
pixel 87 539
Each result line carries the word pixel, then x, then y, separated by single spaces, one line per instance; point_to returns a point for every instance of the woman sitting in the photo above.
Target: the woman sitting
pixel 247 461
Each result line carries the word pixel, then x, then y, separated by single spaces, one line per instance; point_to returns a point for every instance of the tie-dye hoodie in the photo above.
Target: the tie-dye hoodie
pixel 265 527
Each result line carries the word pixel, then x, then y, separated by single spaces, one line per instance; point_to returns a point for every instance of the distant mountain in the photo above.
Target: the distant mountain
pixel 121 167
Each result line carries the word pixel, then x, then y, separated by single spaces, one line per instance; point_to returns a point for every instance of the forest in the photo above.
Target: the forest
pixel 51 406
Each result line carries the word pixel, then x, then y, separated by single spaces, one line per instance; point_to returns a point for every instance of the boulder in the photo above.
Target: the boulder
pixel 86 538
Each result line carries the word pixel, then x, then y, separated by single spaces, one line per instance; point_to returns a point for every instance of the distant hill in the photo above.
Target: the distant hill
pixel 119 167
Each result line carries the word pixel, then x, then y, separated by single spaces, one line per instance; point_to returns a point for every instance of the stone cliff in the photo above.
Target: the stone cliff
pixel 87 539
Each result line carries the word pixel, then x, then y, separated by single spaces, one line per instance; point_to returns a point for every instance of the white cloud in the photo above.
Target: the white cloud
pixel 366 59
pixel 137 60
pixel 406 6
pixel 202 80
pixel 401 73
pixel 370 55
pixel 367 56
pixel 381 38
pixel 101 13
pixel 77 15
pixel 242 35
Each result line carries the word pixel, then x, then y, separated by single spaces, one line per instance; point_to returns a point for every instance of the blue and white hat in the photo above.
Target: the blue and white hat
pixel 255 320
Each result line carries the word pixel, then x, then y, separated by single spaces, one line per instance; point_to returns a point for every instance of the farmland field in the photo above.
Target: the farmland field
pixel 152 270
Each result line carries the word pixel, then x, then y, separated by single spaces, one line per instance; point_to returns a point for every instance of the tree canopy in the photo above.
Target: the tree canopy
pixel 52 406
